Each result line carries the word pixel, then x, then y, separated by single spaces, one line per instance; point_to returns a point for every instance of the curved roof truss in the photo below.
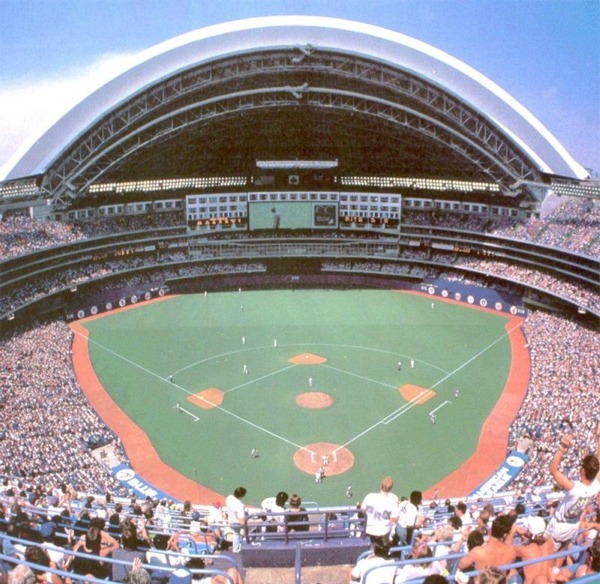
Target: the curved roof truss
pixel 407 93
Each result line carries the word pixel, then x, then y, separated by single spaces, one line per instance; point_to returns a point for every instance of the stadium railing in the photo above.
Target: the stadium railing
pixel 328 536
pixel 219 563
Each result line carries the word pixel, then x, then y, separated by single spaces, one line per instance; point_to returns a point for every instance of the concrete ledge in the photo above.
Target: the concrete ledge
pixel 315 552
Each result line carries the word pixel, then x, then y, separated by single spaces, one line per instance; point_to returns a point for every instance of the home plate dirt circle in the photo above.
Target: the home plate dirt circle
pixel 334 458
pixel 314 400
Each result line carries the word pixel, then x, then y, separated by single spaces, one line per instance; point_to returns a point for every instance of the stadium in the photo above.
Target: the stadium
pixel 314 161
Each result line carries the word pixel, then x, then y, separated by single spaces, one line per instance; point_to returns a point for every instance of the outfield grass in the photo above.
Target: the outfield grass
pixel 197 339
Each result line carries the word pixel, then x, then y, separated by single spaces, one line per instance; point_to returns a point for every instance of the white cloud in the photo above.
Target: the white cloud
pixel 29 107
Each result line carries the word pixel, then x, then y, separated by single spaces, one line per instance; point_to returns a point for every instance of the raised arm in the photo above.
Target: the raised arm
pixel 563 481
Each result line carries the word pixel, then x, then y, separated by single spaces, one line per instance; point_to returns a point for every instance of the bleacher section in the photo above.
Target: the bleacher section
pixel 332 536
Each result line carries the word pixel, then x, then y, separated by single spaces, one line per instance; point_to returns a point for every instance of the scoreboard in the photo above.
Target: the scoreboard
pixel 292 215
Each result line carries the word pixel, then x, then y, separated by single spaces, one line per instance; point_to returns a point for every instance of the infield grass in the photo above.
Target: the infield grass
pixel 197 340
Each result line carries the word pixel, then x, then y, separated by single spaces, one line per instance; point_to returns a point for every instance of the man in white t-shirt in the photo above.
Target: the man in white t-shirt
pixel 382 512
pixel 564 525
pixel 409 517
pixel 275 505
pixel 236 513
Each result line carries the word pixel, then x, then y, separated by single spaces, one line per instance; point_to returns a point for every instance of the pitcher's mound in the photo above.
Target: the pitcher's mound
pixel 207 399
pixel 314 400
pixel 307 359
pixel 416 393
pixel 334 459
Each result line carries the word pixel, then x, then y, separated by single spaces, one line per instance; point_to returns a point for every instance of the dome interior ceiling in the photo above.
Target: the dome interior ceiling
pixel 232 146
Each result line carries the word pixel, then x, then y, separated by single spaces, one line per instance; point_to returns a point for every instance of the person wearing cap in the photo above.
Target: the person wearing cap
pixel 382 512
pixel 539 546
pixel 564 524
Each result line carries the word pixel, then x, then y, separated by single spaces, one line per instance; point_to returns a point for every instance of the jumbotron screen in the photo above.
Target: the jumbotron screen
pixel 292 215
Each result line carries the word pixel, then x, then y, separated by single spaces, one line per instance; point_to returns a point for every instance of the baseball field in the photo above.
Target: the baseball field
pixel 262 388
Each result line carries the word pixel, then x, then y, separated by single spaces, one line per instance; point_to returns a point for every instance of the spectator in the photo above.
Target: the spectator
pixel 98 544
pixel 564 524
pixel 409 518
pixel 382 512
pixel 443 538
pixel 130 548
pixel 592 563
pixel 276 506
pixel 21 574
pixel 138 575
pixel 491 575
pixel 497 551
pixel 197 563
pixel 377 557
pixel 236 512
pixel 420 551
pixel 538 547
pixel 36 555
pixel 296 517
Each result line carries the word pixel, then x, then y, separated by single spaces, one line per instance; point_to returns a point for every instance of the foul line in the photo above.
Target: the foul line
pixel 408 406
pixel 252 424
pixel 387 419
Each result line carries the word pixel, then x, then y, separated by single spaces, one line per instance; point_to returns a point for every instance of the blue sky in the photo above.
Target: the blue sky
pixel 545 53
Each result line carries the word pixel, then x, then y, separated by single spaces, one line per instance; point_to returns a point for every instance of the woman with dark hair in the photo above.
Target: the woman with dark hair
pixel 96 544
pixel 36 555
pixel 297 518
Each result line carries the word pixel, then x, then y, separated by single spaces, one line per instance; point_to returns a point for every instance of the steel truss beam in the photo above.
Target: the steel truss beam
pixel 344 83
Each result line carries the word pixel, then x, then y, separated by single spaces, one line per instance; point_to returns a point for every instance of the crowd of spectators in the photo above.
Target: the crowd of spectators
pixel 20 234
pixel 37 385
pixel 150 540
pixel 124 223
pixel 585 295
pixel 49 427
pixel 573 224
pixel 21 294
pixel 563 392
pixel 49 421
